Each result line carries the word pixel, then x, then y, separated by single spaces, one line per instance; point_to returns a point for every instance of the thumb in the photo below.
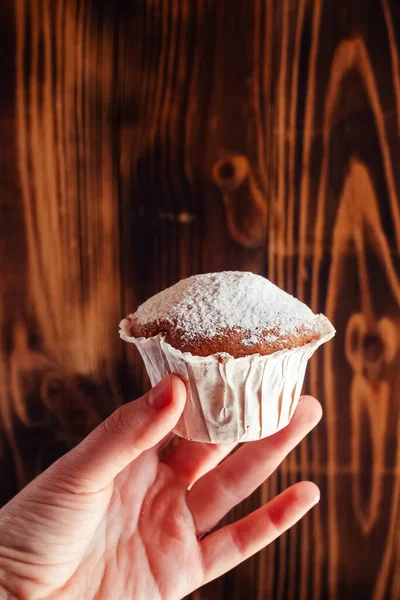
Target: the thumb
pixel 123 436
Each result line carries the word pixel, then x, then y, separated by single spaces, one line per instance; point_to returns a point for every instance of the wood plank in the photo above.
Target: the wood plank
pixel 142 142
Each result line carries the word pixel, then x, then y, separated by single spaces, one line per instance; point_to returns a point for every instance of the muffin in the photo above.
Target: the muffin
pixel 240 343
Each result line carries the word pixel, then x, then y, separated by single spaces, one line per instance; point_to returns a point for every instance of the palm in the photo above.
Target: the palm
pixel 141 535
pixel 150 536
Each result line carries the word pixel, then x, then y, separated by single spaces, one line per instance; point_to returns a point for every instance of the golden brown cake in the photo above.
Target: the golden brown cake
pixel 241 345
pixel 232 312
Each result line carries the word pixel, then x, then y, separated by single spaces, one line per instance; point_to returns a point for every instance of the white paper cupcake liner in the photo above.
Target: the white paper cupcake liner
pixel 239 400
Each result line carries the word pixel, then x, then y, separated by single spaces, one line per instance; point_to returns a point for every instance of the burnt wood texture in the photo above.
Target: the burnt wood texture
pixel 145 141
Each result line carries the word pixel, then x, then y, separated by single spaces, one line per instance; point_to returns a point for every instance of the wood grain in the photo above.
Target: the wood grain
pixel 145 141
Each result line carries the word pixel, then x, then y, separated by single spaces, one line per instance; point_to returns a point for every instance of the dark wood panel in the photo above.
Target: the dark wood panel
pixel 141 142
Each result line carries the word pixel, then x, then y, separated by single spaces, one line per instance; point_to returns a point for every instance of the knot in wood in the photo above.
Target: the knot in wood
pixel 373 347
pixel 229 173
pixel 244 201
pixel 370 346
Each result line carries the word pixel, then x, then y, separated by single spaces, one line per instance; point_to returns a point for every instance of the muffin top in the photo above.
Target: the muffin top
pixel 231 312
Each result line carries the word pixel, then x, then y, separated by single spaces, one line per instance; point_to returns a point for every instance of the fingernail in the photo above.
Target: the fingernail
pixel 317 499
pixel 161 395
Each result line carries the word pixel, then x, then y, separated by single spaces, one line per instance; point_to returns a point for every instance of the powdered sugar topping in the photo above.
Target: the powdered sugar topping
pixel 207 305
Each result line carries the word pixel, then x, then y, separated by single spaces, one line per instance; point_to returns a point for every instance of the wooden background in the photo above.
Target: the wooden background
pixel 144 141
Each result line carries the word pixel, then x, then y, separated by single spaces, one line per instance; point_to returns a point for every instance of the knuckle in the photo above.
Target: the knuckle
pixel 231 487
pixel 238 542
pixel 116 422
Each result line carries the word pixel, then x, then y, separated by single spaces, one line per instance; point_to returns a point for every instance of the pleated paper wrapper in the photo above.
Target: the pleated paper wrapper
pixel 237 400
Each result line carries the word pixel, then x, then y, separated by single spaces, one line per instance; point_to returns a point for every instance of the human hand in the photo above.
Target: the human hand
pixel 111 519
